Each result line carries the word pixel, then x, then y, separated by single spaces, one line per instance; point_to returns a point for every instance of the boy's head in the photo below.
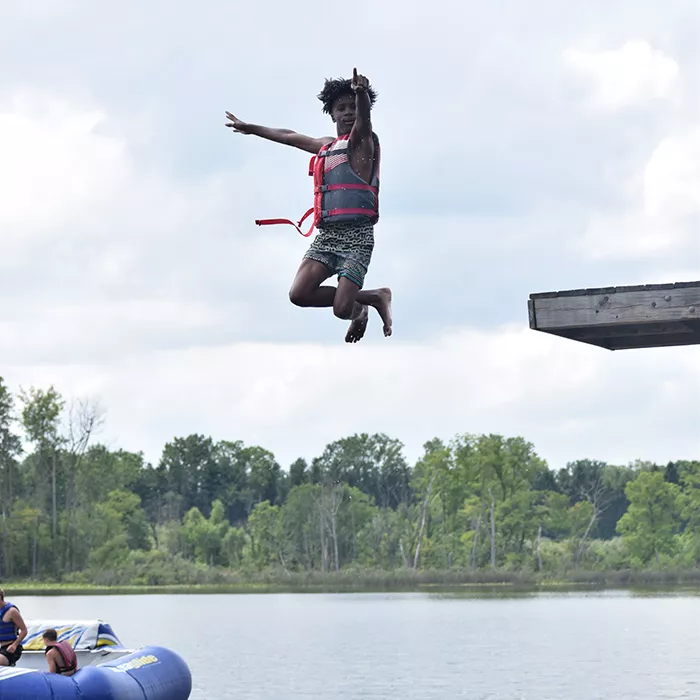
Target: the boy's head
pixel 338 100
pixel 50 635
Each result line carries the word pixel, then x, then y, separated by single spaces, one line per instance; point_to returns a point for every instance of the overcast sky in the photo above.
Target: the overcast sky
pixel 527 147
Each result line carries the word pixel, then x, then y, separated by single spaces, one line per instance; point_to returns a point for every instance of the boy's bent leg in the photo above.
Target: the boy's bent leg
pixel 306 288
pixel 349 301
pixel 306 291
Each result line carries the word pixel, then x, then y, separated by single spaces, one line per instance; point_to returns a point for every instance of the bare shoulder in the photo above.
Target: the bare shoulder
pixel 15 616
pixel 324 141
pixel 308 143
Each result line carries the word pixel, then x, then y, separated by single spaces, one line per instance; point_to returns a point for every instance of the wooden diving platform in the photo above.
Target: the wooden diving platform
pixel 621 318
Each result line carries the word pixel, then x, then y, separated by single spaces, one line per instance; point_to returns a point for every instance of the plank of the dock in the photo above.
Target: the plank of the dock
pixel 616 306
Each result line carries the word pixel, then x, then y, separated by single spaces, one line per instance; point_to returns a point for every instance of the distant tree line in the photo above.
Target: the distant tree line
pixel 73 510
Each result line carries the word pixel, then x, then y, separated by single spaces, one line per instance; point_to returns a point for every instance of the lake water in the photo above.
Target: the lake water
pixel 412 646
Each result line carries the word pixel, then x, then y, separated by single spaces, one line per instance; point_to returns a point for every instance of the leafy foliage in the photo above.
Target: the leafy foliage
pixel 74 510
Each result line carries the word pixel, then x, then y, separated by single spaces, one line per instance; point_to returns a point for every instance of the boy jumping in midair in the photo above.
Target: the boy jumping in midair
pixel 346 206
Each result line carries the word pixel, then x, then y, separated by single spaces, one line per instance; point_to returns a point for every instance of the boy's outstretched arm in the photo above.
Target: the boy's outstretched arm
pixel 284 136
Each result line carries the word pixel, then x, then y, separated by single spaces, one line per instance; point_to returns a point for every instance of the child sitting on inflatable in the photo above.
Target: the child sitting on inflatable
pixel 59 655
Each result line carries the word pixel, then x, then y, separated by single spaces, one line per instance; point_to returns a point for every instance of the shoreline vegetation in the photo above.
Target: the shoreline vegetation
pixel 448 582
pixel 475 514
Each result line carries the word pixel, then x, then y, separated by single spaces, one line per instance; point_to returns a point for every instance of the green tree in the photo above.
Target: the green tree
pixel 374 464
pixel 233 488
pixel 207 538
pixel 41 415
pixel 118 525
pixel 652 518
pixel 497 469
pixel 300 528
pixel 687 474
pixel 263 527
pixel 84 418
pixel 380 542
pixel 265 476
pixel 10 450
pixel 432 479
pixel 187 465
pixel 298 473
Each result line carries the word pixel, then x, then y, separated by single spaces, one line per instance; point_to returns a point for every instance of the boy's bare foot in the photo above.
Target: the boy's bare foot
pixel 358 326
pixel 383 307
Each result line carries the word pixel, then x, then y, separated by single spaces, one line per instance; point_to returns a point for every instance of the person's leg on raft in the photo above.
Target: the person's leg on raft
pixel 347 299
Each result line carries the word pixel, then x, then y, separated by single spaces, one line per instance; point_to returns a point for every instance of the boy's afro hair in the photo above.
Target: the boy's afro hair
pixel 333 89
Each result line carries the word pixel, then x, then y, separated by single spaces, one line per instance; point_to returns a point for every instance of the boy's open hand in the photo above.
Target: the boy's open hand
pixel 236 124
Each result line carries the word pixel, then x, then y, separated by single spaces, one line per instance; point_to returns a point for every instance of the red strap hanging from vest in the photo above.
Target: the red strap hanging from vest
pixel 274 222
pixel 315 170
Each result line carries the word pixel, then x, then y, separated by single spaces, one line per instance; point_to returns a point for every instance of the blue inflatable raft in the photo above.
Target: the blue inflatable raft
pixel 151 673
pixel 107 670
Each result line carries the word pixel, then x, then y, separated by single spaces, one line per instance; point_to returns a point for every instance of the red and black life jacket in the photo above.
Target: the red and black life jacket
pixel 67 654
pixel 340 194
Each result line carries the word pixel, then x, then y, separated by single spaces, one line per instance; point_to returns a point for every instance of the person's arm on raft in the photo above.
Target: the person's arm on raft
pixel 283 136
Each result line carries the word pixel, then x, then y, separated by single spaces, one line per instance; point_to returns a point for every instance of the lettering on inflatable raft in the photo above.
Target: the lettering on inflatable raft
pixel 138 662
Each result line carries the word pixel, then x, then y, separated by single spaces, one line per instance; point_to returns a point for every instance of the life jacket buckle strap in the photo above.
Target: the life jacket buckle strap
pixel 297 225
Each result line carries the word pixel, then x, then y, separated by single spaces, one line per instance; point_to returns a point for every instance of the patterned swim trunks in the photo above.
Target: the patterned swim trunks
pixel 345 248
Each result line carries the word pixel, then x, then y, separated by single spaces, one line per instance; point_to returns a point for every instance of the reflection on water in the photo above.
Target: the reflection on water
pixel 403 646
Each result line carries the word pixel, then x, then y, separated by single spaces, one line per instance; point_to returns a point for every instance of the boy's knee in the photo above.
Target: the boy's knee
pixel 297 297
pixel 344 310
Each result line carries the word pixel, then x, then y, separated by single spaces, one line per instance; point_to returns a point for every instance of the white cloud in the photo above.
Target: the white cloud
pixel 131 267
pixel 571 400
pixel 632 75
pixel 53 160
pixel 104 253
pixel 672 177
pixel 664 211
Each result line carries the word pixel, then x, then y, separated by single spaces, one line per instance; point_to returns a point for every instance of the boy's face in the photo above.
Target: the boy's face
pixel 343 113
